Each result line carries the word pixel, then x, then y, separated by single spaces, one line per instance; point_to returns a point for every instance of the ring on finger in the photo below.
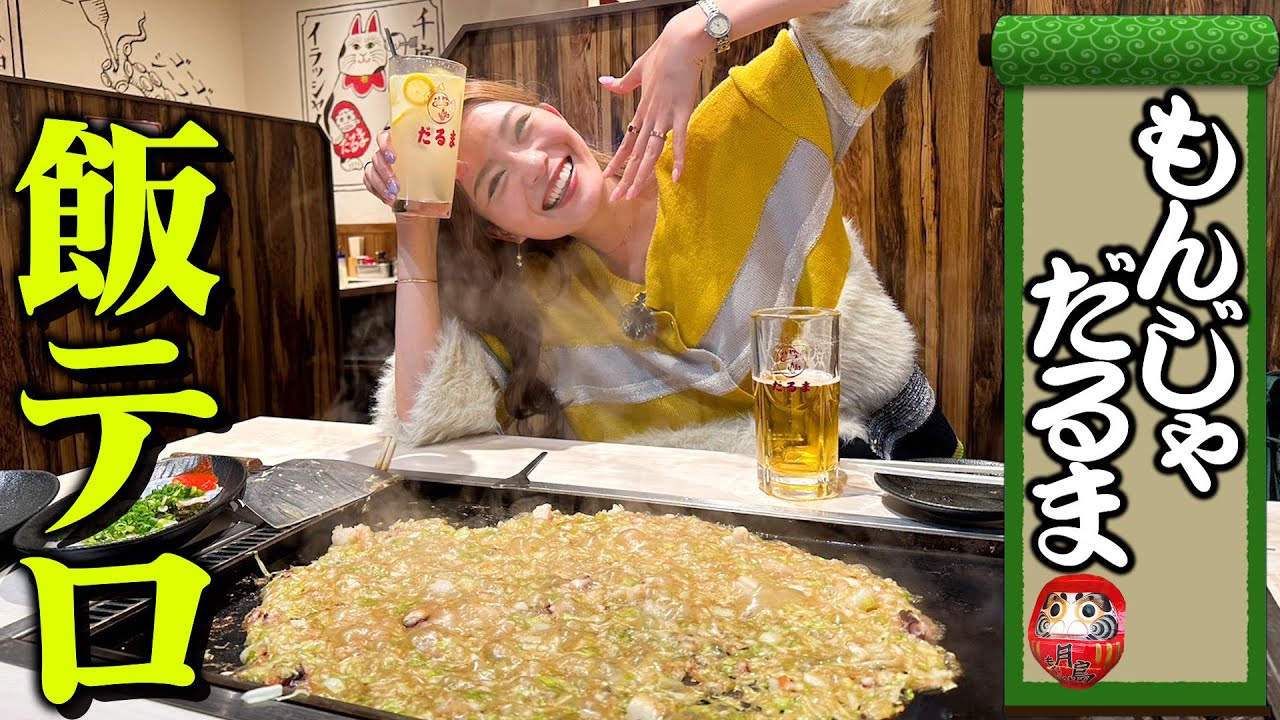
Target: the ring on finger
pixel 633 129
pixel 659 135
pixel 366 165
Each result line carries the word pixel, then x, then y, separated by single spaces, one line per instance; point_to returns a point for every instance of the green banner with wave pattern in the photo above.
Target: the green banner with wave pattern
pixel 1134 50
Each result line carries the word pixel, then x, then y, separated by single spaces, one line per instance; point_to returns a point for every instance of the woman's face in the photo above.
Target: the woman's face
pixel 528 171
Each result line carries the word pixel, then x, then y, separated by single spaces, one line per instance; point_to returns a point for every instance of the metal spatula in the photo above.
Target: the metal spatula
pixel 297 490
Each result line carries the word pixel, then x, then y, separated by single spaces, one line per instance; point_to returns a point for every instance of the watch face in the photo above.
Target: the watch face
pixel 718 25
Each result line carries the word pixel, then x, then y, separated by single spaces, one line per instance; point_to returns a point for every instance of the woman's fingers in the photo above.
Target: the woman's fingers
pixel 632 146
pixel 632 80
pixel 377 185
pixel 624 151
pixel 631 140
pixel 379 177
pixel 644 173
pixel 384 146
pixel 627 83
pixel 679 136
pixel 628 166
pixel 622 85
pixel 386 178
pixel 668 73
pixel 644 158
pixel 638 156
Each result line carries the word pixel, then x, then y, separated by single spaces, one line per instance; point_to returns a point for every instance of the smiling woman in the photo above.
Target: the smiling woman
pixel 629 321
pixel 535 172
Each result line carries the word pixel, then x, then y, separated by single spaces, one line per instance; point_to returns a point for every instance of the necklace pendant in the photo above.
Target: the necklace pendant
pixel 638 322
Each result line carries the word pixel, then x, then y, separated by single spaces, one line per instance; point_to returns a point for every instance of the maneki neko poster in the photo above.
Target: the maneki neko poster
pixel 342 60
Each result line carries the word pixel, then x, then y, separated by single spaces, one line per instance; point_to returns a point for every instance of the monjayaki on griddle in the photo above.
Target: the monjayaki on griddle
pixel 607 615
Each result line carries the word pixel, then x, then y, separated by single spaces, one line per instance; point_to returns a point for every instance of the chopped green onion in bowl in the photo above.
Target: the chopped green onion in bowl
pixel 162 507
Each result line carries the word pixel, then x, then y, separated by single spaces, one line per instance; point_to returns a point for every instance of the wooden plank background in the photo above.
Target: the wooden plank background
pixel 276 351
pixel 923 181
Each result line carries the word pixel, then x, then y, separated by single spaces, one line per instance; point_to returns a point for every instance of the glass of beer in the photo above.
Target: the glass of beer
pixel 426 128
pixel 797 387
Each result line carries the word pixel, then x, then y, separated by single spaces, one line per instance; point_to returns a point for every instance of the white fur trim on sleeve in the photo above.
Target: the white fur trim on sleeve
pixel 878 346
pixel 731 435
pixel 872 33
pixel 456 397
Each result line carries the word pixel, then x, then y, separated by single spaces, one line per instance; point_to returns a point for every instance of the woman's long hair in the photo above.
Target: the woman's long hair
pixel 481 286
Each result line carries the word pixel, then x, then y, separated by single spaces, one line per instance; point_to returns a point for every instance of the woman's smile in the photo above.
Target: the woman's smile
pixel 560 187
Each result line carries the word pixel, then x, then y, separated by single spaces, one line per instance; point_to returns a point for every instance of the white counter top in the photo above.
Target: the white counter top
pixel 682 477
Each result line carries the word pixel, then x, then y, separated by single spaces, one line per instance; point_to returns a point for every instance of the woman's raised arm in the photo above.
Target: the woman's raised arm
pixel 418 320
pixel 417 286
pixel 668 74
pixel 435 387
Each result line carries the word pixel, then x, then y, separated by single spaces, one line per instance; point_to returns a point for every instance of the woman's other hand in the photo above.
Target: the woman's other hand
pixel 378 176
pixel 668 74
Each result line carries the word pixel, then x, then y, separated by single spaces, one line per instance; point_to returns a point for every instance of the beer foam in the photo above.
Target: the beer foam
pixel 815 378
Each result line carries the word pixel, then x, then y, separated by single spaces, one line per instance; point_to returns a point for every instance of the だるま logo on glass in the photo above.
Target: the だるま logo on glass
pixel 790 359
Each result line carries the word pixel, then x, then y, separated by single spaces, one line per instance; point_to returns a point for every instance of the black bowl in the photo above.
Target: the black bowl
pixel 31 538
pixel 22 494
pixel 949 501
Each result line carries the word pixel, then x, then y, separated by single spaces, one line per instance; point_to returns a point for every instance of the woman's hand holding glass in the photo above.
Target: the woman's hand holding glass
pixel 668 74
pixel 380 178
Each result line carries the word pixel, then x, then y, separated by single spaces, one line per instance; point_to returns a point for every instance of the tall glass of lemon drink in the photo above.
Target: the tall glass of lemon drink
pixel 797 388
pixel 426 129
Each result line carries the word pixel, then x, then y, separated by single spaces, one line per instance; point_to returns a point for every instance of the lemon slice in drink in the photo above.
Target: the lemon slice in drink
pixel 418 88
pixel 403 112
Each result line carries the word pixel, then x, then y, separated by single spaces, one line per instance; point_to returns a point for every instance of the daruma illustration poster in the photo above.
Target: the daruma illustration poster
pixel 1135 316
pixel 342 59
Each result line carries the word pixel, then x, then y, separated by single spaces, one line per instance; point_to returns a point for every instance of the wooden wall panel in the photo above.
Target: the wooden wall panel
pixel 276 350
pixel 923 181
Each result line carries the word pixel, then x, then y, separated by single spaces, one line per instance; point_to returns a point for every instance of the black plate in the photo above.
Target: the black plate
pixel 22 494
pixel 946 500
pixel 31 538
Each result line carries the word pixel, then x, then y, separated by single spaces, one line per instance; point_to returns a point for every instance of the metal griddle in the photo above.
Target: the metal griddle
pixel 959 577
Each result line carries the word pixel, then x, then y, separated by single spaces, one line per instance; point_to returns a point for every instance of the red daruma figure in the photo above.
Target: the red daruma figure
pixel 1077 631
pixel 355 134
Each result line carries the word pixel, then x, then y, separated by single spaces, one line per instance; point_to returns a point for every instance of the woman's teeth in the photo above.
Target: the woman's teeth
pixel 561 183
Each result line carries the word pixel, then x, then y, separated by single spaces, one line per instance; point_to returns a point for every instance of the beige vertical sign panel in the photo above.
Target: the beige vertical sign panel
pixel 1086 189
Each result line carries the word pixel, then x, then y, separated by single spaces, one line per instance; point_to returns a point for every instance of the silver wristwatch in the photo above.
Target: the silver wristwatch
pixel 717 24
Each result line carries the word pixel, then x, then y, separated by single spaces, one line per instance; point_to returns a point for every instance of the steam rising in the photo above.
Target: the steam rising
pixel 369 341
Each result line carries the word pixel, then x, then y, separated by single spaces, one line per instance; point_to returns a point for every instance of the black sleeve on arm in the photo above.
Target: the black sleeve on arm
pixel 911 425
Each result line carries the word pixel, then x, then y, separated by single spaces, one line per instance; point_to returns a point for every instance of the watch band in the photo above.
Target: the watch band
pixel 709 7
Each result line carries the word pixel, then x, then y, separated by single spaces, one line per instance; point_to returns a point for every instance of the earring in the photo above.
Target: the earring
pixel 520 256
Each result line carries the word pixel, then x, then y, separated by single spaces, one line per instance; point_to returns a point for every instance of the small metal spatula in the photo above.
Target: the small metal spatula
pixel 297 490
